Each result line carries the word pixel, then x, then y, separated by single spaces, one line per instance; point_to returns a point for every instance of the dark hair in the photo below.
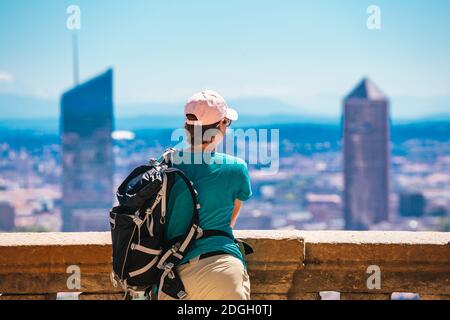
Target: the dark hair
pixel 191 129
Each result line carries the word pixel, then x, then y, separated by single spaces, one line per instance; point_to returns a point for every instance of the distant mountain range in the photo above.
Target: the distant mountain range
pixel 16 106
pixel 25 112
pixel 29 112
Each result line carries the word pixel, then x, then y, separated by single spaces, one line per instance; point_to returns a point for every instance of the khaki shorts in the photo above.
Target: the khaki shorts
pixel 221 277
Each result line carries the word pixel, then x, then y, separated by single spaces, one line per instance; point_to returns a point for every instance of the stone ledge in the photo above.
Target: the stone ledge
pixel 285 265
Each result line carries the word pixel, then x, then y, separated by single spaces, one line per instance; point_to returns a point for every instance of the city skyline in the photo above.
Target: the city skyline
pixel 271 67
pixel 160 55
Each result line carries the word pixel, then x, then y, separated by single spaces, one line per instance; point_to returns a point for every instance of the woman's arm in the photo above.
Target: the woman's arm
pixel 236 209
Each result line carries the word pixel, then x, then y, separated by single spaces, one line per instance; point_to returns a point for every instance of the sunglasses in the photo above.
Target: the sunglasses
pixel 227 122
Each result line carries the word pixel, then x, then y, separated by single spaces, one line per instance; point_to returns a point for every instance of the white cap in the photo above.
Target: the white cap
pixel 209 107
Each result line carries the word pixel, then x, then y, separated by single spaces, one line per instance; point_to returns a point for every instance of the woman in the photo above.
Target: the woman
pixel 214 267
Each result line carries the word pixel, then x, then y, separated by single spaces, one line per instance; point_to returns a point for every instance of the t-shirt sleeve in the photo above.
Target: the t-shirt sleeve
pixel 244 190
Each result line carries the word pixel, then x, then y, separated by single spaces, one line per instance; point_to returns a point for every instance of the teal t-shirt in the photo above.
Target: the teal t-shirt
pixel 219 179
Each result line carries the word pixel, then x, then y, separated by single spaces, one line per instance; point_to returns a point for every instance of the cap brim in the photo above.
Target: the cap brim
pixel 232 114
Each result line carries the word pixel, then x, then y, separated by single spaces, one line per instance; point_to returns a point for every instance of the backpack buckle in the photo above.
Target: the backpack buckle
pixel 138 221
pixel 168 266
pixel 182 294
pixel 199 232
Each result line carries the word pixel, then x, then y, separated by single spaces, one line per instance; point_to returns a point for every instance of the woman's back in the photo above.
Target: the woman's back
pixel 213 267
pixel 220 179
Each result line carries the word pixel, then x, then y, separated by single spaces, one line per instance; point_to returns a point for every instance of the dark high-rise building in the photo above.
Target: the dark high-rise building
pixel 7 216
pixel 366 156
pixel 412 205
pixel 86 127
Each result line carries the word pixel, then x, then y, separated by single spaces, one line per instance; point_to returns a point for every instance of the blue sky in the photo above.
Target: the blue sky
pixel 305 53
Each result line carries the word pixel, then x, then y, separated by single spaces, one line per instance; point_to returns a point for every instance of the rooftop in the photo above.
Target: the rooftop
pixel 366 89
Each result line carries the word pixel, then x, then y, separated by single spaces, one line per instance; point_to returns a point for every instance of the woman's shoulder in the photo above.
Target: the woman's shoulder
pixel 223 158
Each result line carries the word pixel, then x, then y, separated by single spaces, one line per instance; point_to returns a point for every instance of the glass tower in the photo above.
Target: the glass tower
pixel 86 127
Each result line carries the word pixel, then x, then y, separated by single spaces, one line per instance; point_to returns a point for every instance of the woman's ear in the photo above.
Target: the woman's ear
pixel 223 123
pixel 223 127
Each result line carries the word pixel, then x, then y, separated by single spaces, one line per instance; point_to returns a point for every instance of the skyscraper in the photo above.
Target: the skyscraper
pixel 366 156
pixel 412 204
pixel 86 127
pixel 7 215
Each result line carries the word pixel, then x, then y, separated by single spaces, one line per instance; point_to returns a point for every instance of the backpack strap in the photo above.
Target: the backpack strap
pixel 247 249
pixel 167 156
pixel 193 228
pixel 212 233
pixel 204 234
pixel 170 283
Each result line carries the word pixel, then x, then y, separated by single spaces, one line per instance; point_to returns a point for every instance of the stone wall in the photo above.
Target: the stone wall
pixel 285 265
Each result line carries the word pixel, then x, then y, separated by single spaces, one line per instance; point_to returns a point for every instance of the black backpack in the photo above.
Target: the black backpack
pixel 142 261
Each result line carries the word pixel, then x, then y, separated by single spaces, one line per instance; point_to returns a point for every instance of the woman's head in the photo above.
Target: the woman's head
pixel 207 118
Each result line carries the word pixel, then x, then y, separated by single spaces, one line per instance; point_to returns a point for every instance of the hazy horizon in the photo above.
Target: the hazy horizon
pixel 303 55
pixel 16 107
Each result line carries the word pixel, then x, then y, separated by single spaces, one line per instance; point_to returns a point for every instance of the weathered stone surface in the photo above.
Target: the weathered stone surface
pixel 100 296
pixel 305 296
pixel 277 257
pixel 434 296
pixel 354 280
pixel 48 296
pixel 286 264
pixel 54 282
pixel 409 262
pixel 268 296
pixel 54 252
pixel 375 237
pixel 364 296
